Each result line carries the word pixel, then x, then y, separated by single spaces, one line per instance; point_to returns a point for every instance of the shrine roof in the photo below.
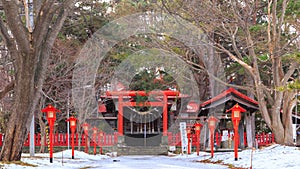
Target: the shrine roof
pixel 230 94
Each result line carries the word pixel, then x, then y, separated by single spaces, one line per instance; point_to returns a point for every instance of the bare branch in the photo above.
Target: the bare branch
pixel 7 89
pixel 15 24
pixel 290 72
pixel 9 41
pixel 242 63
pixel 43 21
pixel 283 9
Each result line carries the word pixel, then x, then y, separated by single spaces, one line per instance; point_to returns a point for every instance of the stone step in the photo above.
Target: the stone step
pixel 143 150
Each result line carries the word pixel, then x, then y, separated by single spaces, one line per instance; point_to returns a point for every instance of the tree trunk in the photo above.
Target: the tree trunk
pixel 43 131
pixel 288 105
pixel 282 118
pixel 30 51
pixel 249 130
pixel 277 128
pixel 288 132
pixel 21 116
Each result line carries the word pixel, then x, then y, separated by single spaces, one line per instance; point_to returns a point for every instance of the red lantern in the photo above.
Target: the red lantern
pixel 236 117
pixel 51 117
pixel 198 126
pixel 51 112
pixel 72 121
pixel 95 130
pixel 85 127
pixel 236 112
pixel 188 130
pixel 212 123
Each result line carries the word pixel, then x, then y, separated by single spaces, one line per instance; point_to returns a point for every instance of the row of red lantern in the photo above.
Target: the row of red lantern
pixel 236 117
pixel 212 121
pixel 51 117
pixel 197 127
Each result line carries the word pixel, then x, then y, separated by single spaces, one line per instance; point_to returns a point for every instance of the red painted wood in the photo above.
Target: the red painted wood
pixel 1 138
pixel 120 116
pixel 165 115
pixel 142 93
pixel 116 134
pixel 111 139
pixel 225 93
pixel 245 139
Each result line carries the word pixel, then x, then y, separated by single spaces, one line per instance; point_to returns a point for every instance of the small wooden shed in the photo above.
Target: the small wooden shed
pixel 217 107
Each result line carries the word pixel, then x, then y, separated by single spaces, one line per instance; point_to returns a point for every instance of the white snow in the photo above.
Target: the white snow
pixel 275 156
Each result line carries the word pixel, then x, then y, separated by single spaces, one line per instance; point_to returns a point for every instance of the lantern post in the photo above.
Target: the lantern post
pixel 51 117
pixel 198 126
pixel 236 117
pixel 189 140
pixel 72 121
pixel 95 130
pixel 85 127
pixel 212 121
pixel 101 138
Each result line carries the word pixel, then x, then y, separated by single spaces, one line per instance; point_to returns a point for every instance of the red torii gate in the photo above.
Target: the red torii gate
pixel 163 103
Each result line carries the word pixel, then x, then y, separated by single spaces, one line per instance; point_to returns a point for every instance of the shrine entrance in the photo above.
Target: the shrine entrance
pixel 142 128
pixel 142 123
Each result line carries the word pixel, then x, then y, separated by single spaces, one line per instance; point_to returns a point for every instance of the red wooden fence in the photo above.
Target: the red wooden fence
pixel 61 139
pixel 264 139
pixel 261 139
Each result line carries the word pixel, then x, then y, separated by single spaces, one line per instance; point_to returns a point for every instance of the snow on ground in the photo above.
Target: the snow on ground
pixel 275 156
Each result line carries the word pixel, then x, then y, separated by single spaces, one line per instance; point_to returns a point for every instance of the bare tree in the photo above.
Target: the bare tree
pixel 260 36
pixel 30 51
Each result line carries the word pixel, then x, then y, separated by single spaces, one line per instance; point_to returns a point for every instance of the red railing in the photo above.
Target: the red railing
pixel 264 139
pixel 175 139
pixel 61 139
pixel 261 139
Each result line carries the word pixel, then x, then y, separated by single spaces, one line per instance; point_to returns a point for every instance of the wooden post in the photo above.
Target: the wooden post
pixel 165 115
pixel 120 116
pixel 51 125
pixel 236 142
pixel 72 142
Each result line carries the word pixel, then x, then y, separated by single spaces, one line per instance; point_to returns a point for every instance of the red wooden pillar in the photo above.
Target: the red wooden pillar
pixel 1 141
pixel 120 115
pixel 217 138
pixel 165 115
pixel 95 130
pixel 100 141
pixel 115 137
pixel 245 139
pixel 77 139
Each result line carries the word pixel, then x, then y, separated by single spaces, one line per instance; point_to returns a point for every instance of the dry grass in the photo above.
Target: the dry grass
pixel 86 167
pixel 219 162
pixel 19 163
